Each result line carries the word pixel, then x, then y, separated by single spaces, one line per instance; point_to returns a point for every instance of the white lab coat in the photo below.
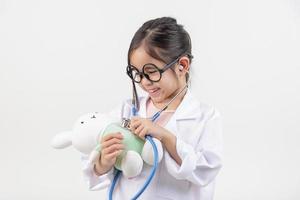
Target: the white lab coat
pixel 197 127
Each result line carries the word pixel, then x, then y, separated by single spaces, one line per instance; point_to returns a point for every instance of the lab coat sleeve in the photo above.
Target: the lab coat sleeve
pixel 200 164
pixel 95 182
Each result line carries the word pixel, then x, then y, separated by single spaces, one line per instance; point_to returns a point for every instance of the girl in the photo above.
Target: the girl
pixel 159 60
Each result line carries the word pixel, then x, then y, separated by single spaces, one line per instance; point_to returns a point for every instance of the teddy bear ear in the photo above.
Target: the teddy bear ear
pixel 62 140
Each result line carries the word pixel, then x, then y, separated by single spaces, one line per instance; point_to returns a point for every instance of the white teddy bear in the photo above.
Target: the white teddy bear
pixel 90 128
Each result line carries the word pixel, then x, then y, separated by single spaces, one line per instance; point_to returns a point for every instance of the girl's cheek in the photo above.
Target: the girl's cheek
pixel 141 86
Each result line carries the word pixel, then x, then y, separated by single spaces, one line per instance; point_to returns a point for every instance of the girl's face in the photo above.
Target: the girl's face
pixel 169 84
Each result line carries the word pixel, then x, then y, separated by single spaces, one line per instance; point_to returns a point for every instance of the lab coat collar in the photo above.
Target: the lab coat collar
pixel 185 110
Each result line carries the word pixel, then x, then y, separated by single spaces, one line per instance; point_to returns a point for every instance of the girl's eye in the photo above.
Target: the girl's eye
pixel 150 70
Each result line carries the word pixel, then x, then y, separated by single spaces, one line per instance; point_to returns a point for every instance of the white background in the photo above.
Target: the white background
pixel 62 58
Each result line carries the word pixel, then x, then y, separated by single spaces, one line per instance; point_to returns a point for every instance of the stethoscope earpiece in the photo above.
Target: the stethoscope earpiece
pixel 180 67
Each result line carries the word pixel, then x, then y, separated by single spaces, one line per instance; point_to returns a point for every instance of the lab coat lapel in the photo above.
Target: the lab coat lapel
pixel 185 111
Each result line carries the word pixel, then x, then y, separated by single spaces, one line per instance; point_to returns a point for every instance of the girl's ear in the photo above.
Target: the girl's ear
pixel 184 64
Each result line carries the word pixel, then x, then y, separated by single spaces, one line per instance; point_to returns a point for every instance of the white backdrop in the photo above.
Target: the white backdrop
pixel 62 58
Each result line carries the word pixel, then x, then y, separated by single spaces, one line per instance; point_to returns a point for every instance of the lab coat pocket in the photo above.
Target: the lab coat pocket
pixel 169 187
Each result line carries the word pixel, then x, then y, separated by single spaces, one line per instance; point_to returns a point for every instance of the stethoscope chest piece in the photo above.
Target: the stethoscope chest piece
pixel 126 123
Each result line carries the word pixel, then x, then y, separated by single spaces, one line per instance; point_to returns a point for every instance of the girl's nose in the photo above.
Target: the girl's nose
pixel 145 81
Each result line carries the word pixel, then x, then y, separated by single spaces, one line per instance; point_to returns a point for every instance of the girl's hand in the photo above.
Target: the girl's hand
pixel 143 126
pixel 111 147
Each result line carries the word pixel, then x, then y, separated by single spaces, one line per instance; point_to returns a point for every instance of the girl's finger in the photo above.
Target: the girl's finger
pixel 112 135
pixel 112 148
pixel 138 130
pixel 143 133
pixel 110 142
pixel 113 155
pixel 135 124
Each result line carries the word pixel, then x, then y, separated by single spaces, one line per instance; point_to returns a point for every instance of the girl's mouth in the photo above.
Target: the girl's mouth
pixel 154 92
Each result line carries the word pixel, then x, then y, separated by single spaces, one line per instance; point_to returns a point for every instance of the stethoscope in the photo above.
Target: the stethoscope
pixel 149 138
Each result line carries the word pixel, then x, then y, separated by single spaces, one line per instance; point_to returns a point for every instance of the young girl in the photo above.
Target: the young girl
pixel 159 60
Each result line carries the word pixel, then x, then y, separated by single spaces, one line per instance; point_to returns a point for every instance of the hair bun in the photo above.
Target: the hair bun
pixel 162 21
pixel 169 20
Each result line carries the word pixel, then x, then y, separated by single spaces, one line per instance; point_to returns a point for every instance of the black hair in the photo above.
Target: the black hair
pixel 163 39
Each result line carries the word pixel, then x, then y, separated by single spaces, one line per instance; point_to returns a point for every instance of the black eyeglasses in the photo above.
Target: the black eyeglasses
pixel 150 71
